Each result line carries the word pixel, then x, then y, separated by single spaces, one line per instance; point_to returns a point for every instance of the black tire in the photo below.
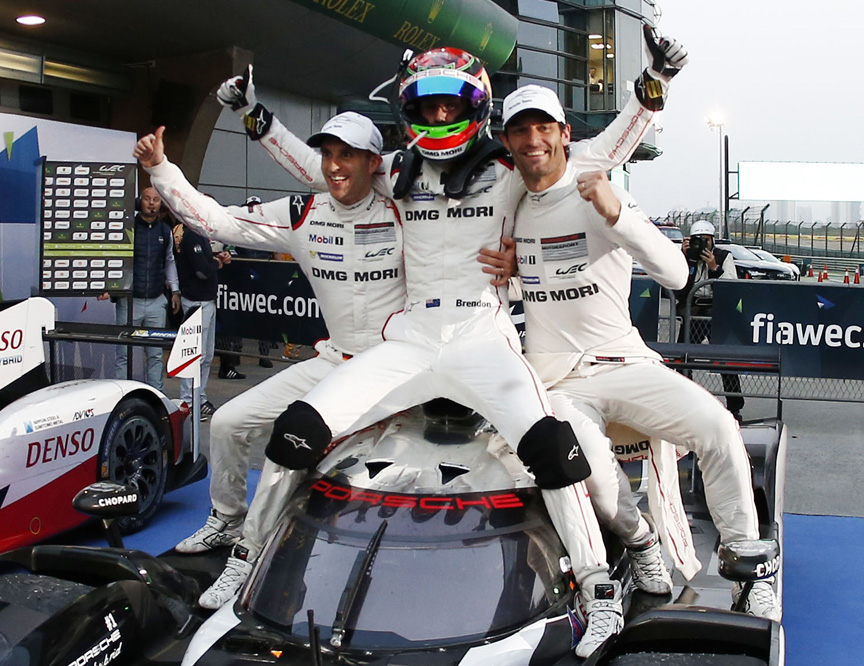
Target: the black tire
pixel 134 452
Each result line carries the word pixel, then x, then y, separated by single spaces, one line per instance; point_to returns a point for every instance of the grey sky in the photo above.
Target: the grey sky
pixel 787 78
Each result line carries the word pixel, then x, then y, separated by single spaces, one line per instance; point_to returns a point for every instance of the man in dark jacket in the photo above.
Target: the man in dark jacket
pixel 153 270
pixel 196 268
pixel 707 262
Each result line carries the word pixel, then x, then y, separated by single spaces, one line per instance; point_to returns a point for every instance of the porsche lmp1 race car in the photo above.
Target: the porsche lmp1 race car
pixel 55 440
pixel 419 541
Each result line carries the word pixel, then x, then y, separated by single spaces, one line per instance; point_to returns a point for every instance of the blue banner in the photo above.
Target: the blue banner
pixel 645 307
pixel 819 328
pixel 268 300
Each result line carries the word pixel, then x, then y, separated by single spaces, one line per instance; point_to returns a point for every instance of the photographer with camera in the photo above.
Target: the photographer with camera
pixel 706 261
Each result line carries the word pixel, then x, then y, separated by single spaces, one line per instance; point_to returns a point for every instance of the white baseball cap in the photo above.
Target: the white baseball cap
pixel 352 128
pixel 702 228
pixel 533 97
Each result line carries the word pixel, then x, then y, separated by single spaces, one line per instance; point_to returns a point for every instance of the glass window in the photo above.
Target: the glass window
pixel 628 63
pixel 545 10
pixel 498 567
pixel 601 57
pixel 739 252
pixel 574 69
pixel 538 64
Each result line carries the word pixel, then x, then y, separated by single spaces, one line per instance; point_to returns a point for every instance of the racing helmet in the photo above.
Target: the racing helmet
pixel 445 71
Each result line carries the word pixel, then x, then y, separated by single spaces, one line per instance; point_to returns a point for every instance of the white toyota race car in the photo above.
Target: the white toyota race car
pixel 57 439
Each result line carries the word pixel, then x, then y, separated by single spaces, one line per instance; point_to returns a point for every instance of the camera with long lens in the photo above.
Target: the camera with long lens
pixel 698 244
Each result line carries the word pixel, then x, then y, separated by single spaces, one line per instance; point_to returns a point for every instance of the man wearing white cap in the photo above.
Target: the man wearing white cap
pixel 576 235
pixel 350 228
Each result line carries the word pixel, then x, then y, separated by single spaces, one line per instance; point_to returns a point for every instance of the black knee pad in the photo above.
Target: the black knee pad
pixel 299 437
pixel 552 454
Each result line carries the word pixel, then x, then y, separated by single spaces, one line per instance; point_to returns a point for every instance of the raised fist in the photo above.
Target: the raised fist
pixel 238 93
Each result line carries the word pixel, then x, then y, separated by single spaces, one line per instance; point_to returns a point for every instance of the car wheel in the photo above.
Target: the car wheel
pixel 134 452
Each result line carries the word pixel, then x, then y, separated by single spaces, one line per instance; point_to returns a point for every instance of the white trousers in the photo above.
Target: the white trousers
pixel 479 366
pixel 246 422
pixel 477 363
pixel 658 402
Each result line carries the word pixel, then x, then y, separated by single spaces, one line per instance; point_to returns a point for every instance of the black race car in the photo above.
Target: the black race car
pixel 419 541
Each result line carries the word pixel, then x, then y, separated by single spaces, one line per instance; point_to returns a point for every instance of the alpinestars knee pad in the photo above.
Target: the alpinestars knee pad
pixel 299 437
pixel 552 454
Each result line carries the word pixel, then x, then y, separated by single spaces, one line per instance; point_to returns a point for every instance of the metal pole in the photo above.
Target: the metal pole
pixel 725 170
pixel 720 203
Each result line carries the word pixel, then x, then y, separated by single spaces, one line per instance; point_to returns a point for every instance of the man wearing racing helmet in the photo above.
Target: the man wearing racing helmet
pixel 446 102
pixel 453 338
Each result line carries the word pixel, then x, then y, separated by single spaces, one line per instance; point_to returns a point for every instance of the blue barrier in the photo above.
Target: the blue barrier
pixel 817 327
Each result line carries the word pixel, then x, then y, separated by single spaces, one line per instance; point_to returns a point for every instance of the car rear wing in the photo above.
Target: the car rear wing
pixel 70 331
pixel 733 359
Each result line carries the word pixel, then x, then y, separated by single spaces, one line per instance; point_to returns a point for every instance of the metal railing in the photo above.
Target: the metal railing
pixel 814 240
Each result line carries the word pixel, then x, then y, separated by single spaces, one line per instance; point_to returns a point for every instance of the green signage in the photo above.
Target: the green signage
pixel 478 26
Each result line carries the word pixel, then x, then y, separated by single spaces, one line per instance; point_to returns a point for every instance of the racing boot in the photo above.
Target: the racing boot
pixel 646 565
pixel 761 602
pixel 600 606
pixel 235 573
pixel 216 532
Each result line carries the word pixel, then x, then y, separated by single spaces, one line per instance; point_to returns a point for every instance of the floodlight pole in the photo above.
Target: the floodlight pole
pixel 726 181
pixel 715 123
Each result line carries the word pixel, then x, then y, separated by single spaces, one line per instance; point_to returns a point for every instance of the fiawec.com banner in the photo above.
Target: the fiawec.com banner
pixel 265 300
pixel 818 328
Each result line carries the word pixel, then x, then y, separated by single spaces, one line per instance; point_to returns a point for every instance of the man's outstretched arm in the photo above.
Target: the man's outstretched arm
pixel 615 144
pixel 288 150
pixel 264 226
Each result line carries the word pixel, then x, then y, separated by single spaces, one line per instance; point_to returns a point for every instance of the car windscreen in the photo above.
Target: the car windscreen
pixel 767 256
pixel 673 233
pixel 741 253
pixel 453 570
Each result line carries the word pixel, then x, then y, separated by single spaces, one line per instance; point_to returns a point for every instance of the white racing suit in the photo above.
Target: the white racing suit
pixel 576 275
pixel 352 256
pixel 454 337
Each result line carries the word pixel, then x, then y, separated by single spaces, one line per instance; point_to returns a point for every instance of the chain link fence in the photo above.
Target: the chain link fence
pixel 839 246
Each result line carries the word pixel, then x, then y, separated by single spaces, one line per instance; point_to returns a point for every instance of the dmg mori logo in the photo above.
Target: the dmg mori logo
pixel 437 5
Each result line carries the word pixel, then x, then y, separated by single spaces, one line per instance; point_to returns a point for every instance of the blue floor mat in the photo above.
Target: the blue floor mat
pixel 823 603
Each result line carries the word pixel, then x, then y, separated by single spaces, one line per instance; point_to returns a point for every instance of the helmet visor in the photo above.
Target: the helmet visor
pixel 443 85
